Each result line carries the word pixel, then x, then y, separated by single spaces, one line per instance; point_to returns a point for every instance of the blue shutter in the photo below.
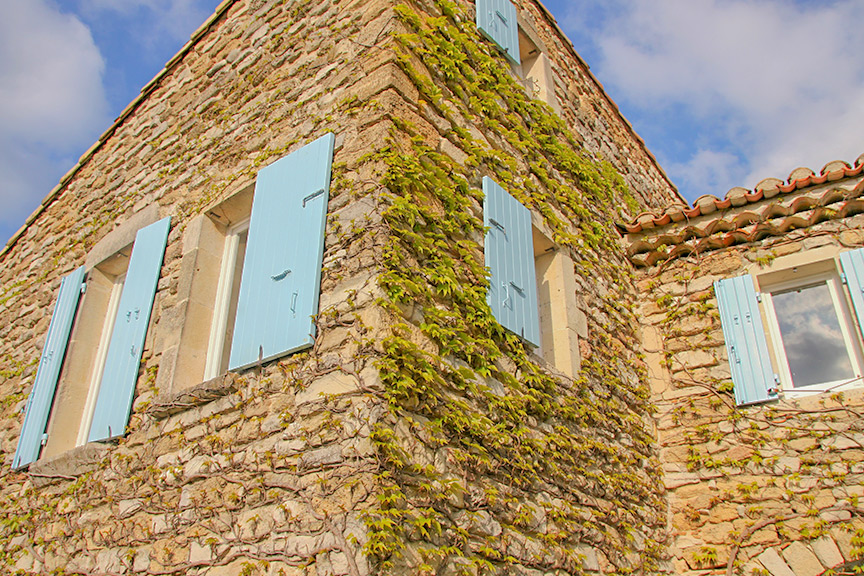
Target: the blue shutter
pixel 278 298
pixel 42 394
pixel 853 270
pixel 496 19
pixel 117 388
pixel 509 252
pixel 746 344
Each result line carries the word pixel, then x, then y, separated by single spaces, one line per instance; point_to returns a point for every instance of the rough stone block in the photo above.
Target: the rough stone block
pixel 332 384
pixel 772 562
pixel 802 560
pixel 827 551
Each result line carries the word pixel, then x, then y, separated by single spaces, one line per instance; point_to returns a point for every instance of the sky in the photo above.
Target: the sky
pixel 724 92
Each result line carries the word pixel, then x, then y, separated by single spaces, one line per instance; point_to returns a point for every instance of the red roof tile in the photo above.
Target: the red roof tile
pixel 768 188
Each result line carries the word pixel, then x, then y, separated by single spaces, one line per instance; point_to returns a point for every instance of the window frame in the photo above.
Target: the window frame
pixel 535 71
pixel 98 367
pixel 801 270
pixel 226 296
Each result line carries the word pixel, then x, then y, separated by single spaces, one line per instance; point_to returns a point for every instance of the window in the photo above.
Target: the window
pixel 535 70
pixel 809 340
pixel 225 305
pixel 532 287
pixel 498 21
pixel 75 401
pixel 113 286
pixel 562 323
pixel 195 343
pixel 251 272
pixel 86 378
pixel 811 329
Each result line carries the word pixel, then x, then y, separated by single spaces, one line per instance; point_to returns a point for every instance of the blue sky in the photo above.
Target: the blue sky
pixel 724 92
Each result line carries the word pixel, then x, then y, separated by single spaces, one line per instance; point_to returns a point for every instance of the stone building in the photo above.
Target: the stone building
pixel 751 317
pixel 341 292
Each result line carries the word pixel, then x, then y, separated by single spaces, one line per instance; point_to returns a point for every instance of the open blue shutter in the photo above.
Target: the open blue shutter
pixel 745 341
pixel 42 394
pixel 117 388
pixel 853 270
pixel 496 19
pixel 509 252
pixel 278 298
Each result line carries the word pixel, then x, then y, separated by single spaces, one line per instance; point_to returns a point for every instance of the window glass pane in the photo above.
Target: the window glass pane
pixel 815 348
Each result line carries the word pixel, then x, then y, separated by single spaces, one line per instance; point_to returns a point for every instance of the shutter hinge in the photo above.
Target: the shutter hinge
pixel 843 278
pixel 758 297
pixel 44 439
pixel 773 391
pixel 83 287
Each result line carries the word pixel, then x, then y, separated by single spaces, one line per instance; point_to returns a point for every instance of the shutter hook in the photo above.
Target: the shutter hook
pixel 506 295
pixel 312 196
pixel 281 275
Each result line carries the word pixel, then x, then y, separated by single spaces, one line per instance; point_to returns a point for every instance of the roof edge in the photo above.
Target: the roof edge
pixel 766 188
pixel 196 36
pixel 569 43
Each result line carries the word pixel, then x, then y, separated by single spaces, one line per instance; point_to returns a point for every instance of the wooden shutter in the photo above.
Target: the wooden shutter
pixel 746 343
pixel 117 388
pixel 278 298
pixel 42 394
pixel 496 19
pixel 509 252
pixel 853 272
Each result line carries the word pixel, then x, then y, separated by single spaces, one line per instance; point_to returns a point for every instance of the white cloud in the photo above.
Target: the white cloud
pixel 172 20
pixel 706 170
pixel 785 79
pixel 52 103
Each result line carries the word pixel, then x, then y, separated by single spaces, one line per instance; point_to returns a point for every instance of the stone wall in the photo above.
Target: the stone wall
pixel 416 433
pixel 771 488
pixel 497 461
pixel 267 472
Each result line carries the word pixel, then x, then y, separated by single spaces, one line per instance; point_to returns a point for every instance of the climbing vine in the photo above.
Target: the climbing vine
pixel 490 459
pixel 782 472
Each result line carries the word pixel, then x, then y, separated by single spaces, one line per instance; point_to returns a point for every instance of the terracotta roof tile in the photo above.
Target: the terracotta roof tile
pixel 736 227
pixel 798 179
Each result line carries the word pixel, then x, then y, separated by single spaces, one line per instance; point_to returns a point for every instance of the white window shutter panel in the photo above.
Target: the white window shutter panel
pixel 42 394
pixel 278 298
pixel 496 19
pixel 509 253
pixel 853 269
pixel 746 344
pixel 117 387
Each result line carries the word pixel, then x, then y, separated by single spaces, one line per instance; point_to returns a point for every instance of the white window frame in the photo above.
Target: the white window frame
pixel 846 319
pixel 101 356
pixel 219 324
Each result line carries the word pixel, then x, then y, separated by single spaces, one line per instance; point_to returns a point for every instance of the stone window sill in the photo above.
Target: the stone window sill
pixel 209 390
